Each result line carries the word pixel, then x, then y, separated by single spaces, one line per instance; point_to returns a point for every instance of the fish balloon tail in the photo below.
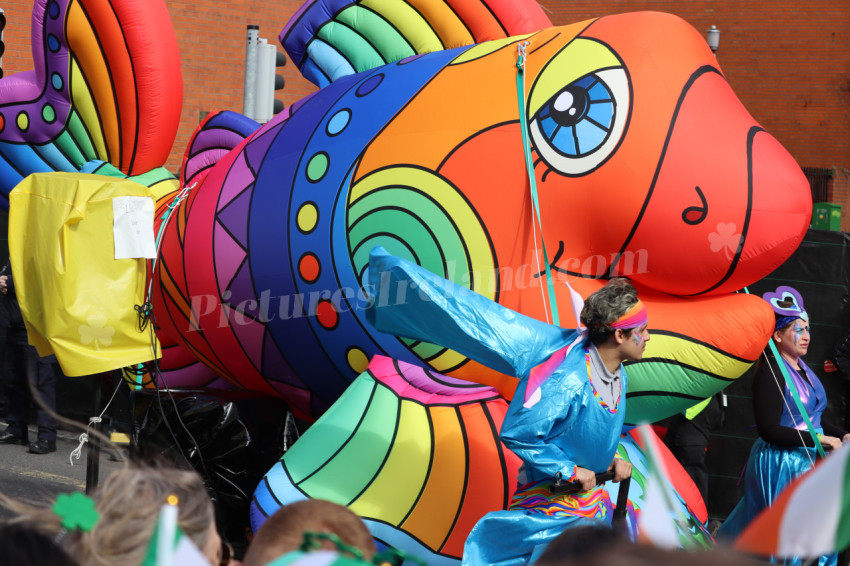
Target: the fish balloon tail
pixel 99 90
pixel 329 39
pixel 218 134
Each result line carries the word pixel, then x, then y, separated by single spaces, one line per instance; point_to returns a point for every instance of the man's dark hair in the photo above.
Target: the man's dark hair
pixel 607 305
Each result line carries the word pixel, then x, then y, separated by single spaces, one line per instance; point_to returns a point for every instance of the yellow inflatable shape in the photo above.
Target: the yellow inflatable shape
pixel 77 300
pixel 486 48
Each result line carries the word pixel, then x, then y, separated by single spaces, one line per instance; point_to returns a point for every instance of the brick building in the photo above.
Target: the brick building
pixel 788 61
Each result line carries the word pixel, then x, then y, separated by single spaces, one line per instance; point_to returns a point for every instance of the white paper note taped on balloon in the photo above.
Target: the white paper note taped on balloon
pixel 132 227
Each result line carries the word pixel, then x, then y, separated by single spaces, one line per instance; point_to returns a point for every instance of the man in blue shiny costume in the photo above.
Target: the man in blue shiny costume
pixel 568 410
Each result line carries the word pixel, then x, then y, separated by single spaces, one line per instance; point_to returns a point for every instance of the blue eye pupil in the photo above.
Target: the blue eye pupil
pixel 578 119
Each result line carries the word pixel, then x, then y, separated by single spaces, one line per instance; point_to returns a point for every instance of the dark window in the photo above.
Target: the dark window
pixel 819 178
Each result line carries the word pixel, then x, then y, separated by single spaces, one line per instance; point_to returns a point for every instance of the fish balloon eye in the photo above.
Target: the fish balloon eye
pixel 580 126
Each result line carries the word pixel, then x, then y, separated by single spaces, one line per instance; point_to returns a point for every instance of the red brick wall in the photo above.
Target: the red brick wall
pixel 840 194
pixel 787 60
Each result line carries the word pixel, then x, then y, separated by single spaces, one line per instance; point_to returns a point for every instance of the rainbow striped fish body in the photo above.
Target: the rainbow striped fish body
pixel 628 117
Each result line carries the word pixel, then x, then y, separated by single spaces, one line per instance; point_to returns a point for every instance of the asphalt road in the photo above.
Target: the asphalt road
pixel 40 478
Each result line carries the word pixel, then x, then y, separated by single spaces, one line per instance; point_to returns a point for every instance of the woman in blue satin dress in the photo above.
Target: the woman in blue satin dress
pixel 785 449
pixel 568 410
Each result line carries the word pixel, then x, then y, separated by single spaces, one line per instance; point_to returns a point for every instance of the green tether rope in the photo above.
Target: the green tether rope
pixel 520 86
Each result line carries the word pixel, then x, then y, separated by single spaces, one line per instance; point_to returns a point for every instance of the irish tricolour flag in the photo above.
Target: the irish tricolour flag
pixel 811 517
pixel 169 546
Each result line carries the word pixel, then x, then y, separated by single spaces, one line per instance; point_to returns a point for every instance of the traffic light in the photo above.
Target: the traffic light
pixel 261 79
pixel 268 81
pixel 2 44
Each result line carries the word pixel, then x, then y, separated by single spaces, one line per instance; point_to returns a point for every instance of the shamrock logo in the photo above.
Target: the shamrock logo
pixel 726 239
pixel 76 510
pixel 96 331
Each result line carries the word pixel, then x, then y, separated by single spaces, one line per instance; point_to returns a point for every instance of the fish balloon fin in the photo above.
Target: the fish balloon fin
pixel 329 39
pixel 217 135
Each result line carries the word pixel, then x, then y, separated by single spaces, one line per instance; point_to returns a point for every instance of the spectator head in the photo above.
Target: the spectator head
pixel 128 502
pixel 284 531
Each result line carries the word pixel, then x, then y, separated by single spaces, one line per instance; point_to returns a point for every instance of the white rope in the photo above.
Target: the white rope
pixel 181 195
pixel 788 406
pixel 84 437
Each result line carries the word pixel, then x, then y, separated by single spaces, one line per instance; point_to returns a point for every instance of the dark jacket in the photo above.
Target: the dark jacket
pixel 10 314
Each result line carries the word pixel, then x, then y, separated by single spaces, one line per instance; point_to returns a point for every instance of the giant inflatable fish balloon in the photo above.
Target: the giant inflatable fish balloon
pixel 640 157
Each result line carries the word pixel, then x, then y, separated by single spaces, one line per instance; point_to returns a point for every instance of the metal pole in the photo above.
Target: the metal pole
pixel 618 520
pixel 93 453
pixel 250 89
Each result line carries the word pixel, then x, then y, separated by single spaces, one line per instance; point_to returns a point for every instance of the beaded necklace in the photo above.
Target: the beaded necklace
pixel 595 392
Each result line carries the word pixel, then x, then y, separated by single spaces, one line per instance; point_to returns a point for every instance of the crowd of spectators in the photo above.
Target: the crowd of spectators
pixel 126 506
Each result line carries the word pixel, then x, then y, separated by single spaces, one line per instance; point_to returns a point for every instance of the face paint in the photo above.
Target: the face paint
pixel 637 334
pixel 798 332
